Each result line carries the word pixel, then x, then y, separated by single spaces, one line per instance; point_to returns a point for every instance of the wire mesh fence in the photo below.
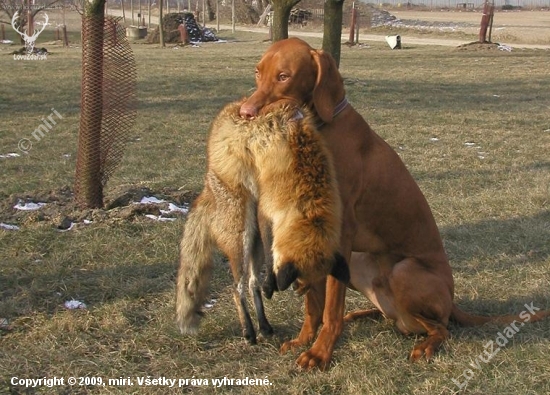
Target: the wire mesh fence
pixel 108 105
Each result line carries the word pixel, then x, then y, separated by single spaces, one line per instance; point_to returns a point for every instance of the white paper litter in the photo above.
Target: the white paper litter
pixel 434 139
pixel 505 48
pixel 150 200
pixel 6 41
pixel 10 155
pixel 8 226
pixel 87 222
pixel 174 208
pixel 29 206
pixel 171 208
pixel 469 144
pixel 74 304
pixel 159 218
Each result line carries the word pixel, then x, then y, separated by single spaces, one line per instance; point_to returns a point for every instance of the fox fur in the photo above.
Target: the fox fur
pixel 279 166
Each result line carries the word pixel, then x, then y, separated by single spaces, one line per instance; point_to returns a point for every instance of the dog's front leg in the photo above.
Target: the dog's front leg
pixel 314 305
pixel 320 354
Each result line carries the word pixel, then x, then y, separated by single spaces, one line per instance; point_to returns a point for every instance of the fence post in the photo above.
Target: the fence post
pixel 352 24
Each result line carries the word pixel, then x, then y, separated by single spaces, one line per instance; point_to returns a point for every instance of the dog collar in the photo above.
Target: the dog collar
pixel 337 110
pixel 340 107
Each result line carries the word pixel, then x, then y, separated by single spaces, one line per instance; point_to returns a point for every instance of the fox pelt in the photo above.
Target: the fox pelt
pixel 275 166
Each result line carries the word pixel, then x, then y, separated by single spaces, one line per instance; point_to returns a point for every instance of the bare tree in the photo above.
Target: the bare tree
pixel 281 13
pixel 24 10
pixel 332 34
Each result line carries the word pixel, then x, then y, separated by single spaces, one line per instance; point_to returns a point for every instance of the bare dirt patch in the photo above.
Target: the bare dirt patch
pixel 57 209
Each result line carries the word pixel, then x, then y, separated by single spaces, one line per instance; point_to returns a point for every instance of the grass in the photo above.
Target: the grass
pixel 491 201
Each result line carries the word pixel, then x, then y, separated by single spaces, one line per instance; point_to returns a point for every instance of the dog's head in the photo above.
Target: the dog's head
pixel 292 72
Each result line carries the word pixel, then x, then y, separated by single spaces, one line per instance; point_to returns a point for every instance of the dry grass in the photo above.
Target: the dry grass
pixel 491 201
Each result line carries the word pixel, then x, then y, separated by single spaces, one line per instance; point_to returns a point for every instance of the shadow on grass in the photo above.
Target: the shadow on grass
pixel 519 241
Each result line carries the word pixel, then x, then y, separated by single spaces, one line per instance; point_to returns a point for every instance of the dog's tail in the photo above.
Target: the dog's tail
pixel 196 255
pixel 530 314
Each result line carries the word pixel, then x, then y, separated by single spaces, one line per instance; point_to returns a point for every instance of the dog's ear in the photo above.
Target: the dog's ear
pixel 286 275
pixel 340 270
pixel 329 86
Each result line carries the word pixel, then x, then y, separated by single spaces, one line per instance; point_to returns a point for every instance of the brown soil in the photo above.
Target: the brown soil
pixel 61 211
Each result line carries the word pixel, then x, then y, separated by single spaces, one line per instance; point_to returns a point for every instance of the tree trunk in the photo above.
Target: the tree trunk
pixel 88 186
pixel 281 13
pixel 332 34
pixel 161 25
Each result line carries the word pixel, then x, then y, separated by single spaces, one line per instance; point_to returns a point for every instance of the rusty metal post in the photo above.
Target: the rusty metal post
pixel 352 24
pixel 484 22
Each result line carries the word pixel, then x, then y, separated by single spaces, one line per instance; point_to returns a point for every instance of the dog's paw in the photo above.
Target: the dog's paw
pixel 290 345
pixel 424 349
pixel 312 359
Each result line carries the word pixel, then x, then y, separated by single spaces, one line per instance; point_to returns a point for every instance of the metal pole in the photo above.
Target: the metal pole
pixel 233 16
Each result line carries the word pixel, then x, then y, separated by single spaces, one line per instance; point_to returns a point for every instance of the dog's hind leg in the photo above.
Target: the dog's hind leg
pixel 358 314
pixel 437 334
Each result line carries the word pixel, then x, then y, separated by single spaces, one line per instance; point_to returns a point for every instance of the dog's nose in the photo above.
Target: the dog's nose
pixel 247 111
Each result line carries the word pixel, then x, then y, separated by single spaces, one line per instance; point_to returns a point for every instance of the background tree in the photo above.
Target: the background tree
pixel 281 13
pixel 9 7
pixel 332 34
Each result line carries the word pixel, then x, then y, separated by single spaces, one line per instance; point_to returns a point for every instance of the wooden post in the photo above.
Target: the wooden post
pixel 3 32
pixel 161 30
pixel 233 16
pixel 357 15
pixel 217 15
pixel 352 25
pixel 65 36
pixel 203 14
pixel 149 15
pixel 123 13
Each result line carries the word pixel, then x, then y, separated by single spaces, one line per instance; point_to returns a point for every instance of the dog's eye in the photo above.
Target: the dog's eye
pixel 283 77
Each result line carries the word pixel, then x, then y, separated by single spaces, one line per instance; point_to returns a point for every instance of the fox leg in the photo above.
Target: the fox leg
pixel 256 265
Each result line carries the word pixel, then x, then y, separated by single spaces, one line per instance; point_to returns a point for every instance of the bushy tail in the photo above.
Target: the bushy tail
pixel 196 251
pixel 530 314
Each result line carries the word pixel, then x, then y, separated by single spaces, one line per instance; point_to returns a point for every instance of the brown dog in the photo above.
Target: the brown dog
pixel 399 262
